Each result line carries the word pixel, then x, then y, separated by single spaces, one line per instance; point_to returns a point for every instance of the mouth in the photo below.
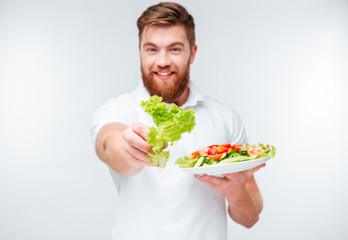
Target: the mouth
pixel 164 75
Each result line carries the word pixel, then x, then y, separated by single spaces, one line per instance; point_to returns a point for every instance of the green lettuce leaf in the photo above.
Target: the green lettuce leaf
pixel 185 162
pixel 269 151
pixel 171 122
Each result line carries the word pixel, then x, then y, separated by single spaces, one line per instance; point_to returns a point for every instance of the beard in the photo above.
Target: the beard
pixel 169 90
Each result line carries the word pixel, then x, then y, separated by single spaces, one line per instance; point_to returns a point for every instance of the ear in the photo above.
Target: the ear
pixel 193 53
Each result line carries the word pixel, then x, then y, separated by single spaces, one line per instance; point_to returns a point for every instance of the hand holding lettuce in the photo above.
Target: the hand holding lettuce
pixel 171 122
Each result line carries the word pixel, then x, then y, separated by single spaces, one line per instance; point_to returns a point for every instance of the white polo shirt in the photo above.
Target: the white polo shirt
pixel 165 204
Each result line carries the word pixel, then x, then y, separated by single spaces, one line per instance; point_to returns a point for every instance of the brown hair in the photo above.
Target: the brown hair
pixel 167 14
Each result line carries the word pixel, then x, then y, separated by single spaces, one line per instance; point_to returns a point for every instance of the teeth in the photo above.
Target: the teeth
pixel 163 73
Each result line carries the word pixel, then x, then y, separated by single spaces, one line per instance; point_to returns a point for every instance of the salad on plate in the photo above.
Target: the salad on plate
pixel 226 154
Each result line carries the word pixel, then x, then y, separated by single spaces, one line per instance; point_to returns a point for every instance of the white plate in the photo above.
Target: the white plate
pixel 217 170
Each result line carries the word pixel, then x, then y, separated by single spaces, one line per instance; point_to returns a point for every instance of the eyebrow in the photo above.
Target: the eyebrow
pixel 149 44
pixel 177 43
pixel 146 44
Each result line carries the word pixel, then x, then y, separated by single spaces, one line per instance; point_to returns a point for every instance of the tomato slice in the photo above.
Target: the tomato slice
pixel 237 147
pixel 212 151
pixel 195 155
pixel 212 146
pixel 227 145
pixel 203 151
pixel 221 149
pixel 217 149
pixel 216 156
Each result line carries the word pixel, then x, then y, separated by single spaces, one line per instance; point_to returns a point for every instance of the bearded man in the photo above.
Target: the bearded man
pixel 168 203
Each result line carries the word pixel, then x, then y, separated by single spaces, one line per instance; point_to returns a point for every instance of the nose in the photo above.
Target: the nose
pixel 163 59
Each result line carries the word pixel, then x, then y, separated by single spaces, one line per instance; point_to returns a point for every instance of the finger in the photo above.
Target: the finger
pixel 248 172
pixel 133 160
pixel 256 168
pixel 211 179
pixel 165 146
pixel 231 175
pixel 136 141
pixel 209 184
pixel 134 152
pixel 141 129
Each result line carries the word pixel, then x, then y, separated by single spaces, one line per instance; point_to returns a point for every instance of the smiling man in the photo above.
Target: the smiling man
pixel 166 55
pixel 167 203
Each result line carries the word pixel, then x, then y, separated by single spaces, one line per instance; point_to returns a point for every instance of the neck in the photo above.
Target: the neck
pixel 183 98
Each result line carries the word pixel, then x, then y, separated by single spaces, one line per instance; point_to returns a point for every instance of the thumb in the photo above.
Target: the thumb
pixel 165 146
pixel 257 168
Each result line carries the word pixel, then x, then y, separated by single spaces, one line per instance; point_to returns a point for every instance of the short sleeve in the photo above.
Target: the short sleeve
pixel 114 110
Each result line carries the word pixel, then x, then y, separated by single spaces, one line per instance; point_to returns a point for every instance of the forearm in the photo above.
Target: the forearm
pixel 245 206
pixel 242 194
pixel 109 149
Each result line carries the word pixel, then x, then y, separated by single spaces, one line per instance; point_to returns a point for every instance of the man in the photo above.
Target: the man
pixel 167 203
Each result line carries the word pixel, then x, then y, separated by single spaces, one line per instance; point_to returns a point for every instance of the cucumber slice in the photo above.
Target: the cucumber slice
pixel 199 162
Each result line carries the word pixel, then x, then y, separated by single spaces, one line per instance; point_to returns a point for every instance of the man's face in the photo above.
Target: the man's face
pixel 166 56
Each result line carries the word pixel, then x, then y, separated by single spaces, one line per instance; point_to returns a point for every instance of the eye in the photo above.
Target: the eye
pixel 151 50
pixel 175 49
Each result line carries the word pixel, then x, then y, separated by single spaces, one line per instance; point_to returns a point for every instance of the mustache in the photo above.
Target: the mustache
pixel 158 69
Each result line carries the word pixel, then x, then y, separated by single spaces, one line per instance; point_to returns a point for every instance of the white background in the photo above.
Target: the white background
pixel 281 64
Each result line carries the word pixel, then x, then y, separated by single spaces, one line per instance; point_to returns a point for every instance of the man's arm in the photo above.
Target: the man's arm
pixel 123 148
pixel 242 194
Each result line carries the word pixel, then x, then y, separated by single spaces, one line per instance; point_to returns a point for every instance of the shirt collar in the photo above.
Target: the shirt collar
pixel 140 93
pixel 195 97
